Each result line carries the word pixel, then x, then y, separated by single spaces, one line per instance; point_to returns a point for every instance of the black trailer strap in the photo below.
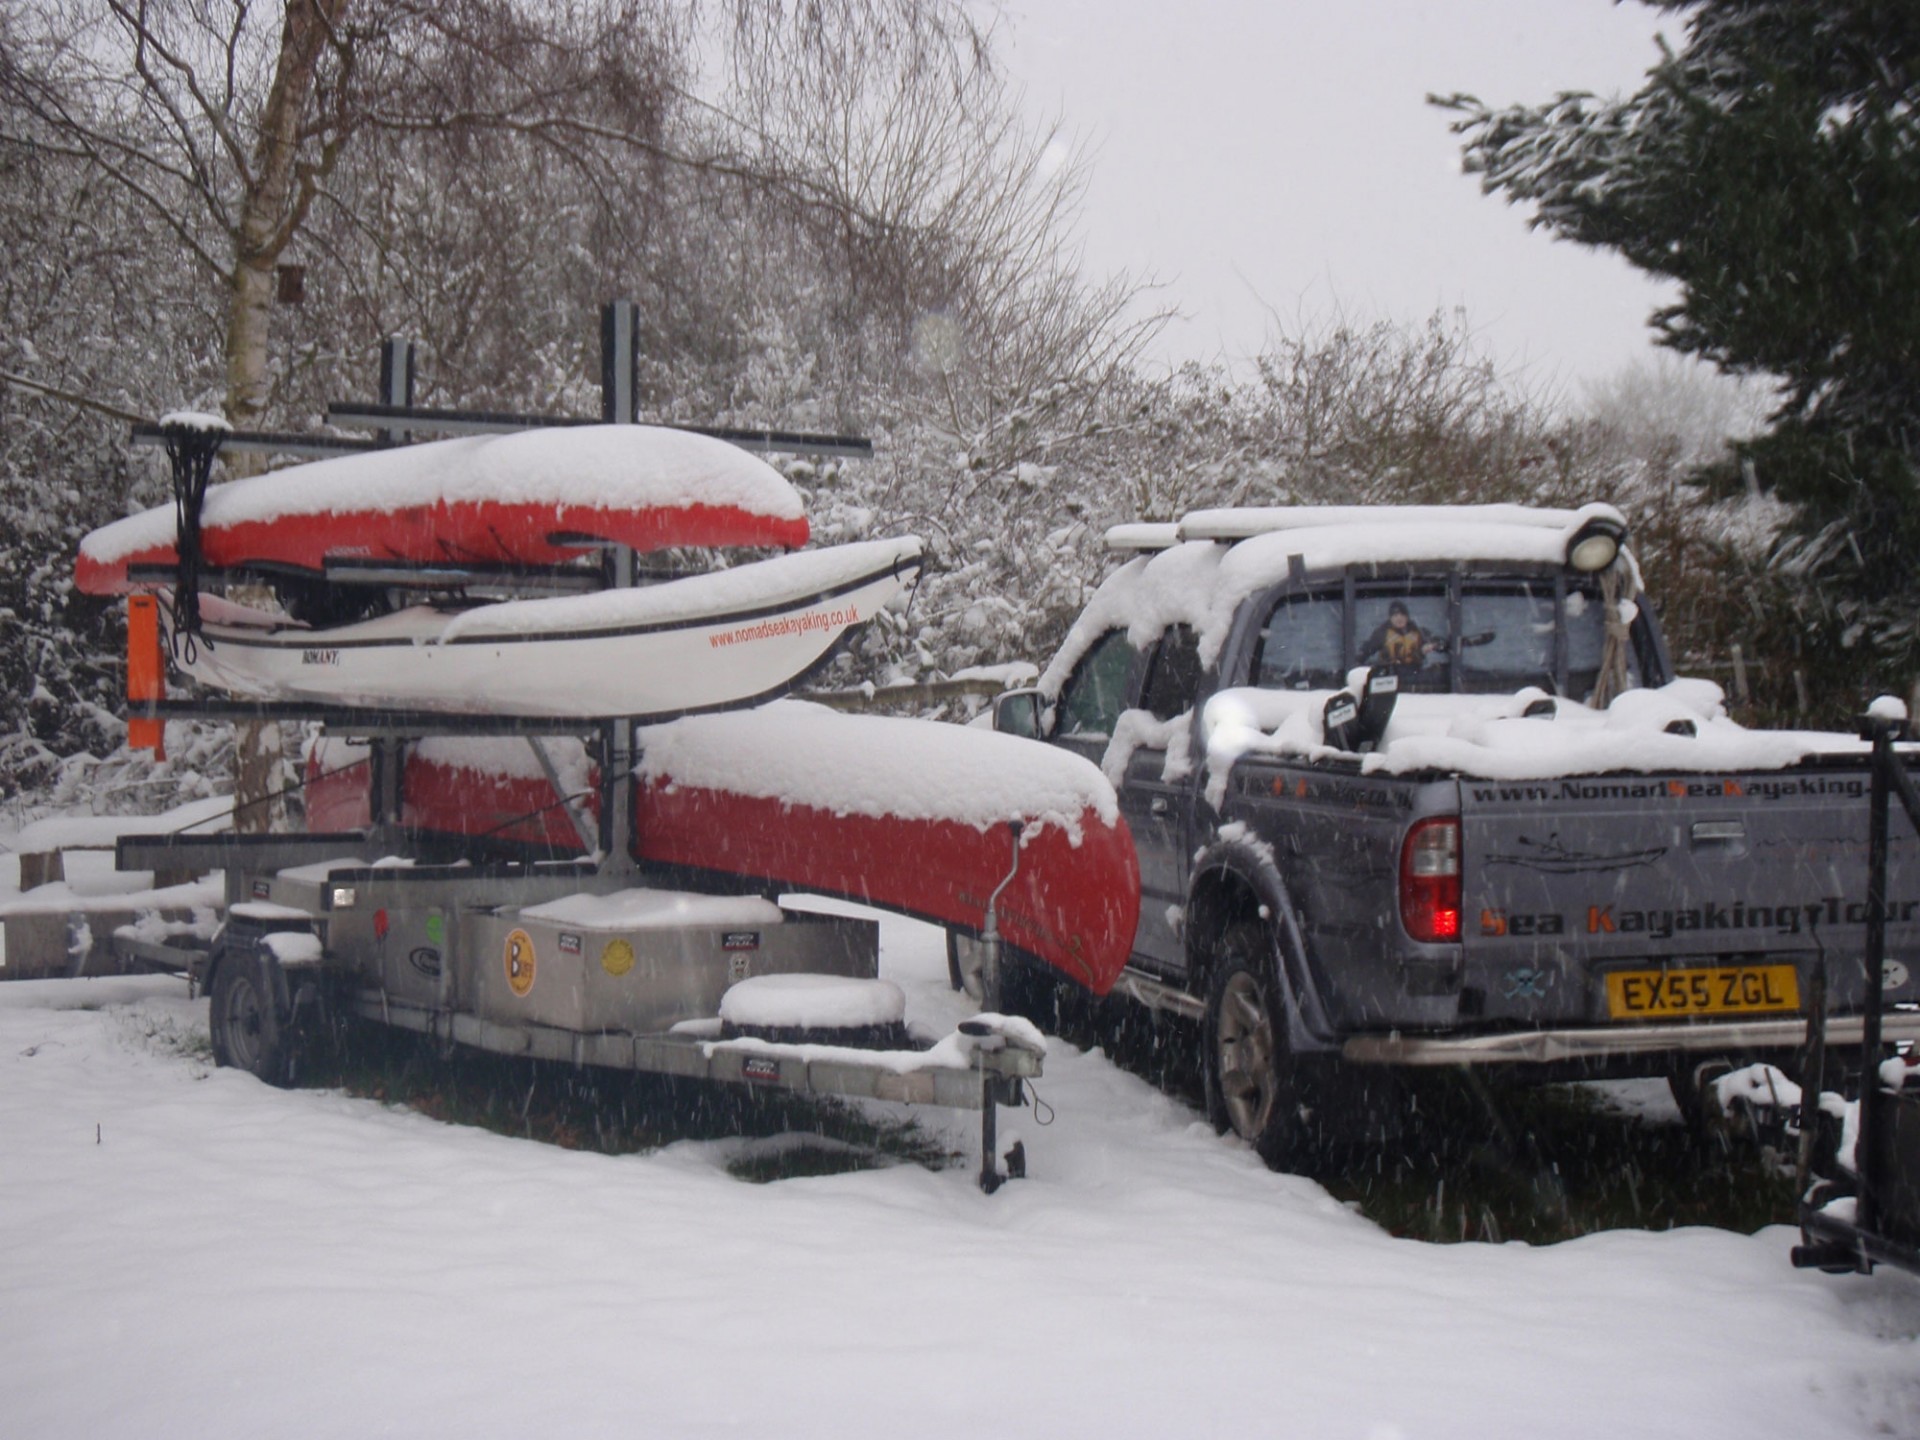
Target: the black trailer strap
pixel 191 451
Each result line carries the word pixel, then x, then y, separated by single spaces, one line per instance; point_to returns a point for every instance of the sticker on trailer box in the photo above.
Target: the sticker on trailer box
pixel 426 960
pixel 740 940
pixel 521 961
pixel 617 958
pixel 570 944
pixel 261 889
pixel 738 968
pixel 759 1068
pixel 436 928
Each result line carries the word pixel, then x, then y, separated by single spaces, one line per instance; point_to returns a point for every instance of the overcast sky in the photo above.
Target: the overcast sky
pixel 1280 158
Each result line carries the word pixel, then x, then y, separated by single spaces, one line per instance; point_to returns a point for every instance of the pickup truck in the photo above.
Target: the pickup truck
pixel 1416 786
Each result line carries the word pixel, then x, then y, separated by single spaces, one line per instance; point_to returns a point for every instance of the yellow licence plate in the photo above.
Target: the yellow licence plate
pixel 1719 990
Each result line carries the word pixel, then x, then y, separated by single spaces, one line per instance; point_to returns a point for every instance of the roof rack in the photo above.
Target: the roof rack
pixel 1142 536
pixel 1244 522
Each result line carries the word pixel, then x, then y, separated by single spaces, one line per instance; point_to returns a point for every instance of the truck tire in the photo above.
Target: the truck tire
pixel 1250 1076
pixel 248 1031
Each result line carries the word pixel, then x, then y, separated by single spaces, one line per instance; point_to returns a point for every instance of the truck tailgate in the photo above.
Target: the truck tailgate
pixel 1676 897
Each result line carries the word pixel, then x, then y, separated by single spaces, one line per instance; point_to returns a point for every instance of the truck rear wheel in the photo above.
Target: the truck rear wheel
pixel 1250 1080
pixel 248 1031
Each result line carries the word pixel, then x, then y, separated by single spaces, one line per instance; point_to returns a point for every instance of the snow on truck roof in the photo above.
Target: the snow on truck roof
pixel 1198 570
pixel 1246 521
pixel 1243 522
pixel 611 467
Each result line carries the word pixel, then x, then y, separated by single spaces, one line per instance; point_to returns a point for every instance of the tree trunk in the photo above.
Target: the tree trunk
pixel 274 202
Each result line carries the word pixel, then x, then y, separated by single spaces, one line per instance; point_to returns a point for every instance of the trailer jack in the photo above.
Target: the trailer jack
pixel 996 1089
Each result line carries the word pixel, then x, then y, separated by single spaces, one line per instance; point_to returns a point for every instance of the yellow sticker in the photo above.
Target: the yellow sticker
pixel 617 958
pixel 521 961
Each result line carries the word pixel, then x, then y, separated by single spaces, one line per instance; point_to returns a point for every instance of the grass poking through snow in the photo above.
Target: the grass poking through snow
pixel 1477 1157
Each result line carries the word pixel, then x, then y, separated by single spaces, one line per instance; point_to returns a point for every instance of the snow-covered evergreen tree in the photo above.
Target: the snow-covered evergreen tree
pixel 1771 166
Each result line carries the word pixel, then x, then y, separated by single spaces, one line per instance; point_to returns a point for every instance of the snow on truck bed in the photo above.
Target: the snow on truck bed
pixel 604 467
pixel 1489 737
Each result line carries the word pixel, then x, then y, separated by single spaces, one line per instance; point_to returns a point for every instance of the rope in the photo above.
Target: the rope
pixel 1613 654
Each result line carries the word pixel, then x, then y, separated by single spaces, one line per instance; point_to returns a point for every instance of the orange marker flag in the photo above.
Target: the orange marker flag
pixel 146 674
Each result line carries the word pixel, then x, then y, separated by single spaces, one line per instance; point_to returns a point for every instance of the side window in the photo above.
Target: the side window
pixel 1300 645
pixel 1406 630
pixel 1173 674
pixel 1091 699
pixel 1506 638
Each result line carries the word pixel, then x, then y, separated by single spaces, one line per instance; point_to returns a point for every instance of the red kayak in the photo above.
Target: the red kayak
pixel 1072 905
pixel 529 498
pixel 907 815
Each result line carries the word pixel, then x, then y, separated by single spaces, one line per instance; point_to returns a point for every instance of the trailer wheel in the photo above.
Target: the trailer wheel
pixel 964 965
pixel 249 1032
pixel 1250 1077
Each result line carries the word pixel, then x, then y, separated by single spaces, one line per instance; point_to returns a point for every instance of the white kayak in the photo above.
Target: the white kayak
pixel 706 642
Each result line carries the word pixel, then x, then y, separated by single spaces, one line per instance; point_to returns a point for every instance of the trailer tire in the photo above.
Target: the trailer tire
pixel 248 1029
pixel 1251 1078
pixel 963 971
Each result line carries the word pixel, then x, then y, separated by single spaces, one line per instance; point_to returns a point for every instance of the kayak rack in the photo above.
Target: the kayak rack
pixel 368 722
pixel 993 1063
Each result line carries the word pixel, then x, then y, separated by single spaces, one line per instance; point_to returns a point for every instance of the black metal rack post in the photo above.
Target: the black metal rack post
pixel 1858 1244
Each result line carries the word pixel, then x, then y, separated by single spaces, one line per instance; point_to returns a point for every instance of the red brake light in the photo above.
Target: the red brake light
pixel 1430 879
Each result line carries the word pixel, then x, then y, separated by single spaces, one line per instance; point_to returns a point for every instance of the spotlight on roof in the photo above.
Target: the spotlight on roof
pixel 1595 544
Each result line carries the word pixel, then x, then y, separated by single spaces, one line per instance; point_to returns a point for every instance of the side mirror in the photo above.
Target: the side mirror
pixel 1018 712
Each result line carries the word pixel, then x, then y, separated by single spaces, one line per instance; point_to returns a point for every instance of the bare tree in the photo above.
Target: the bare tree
pixel 228 120
pixel 853 226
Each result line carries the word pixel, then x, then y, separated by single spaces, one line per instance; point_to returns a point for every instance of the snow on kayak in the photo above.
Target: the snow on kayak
pixel 909 815
pixel 535 497
pixel 725 638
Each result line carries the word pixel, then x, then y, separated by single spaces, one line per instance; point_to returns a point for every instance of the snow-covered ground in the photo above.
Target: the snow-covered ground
pixel 184 1251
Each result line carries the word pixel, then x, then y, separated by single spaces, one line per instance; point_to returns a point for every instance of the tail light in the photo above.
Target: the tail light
pixel 1430 879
